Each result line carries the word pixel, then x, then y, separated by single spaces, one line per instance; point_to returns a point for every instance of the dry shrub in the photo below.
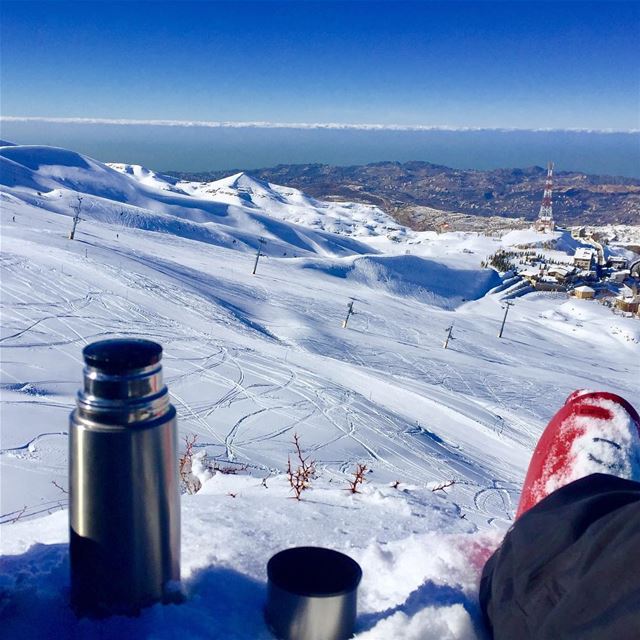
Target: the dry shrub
pixel 300 477
pixel 189 483
pixel 358 478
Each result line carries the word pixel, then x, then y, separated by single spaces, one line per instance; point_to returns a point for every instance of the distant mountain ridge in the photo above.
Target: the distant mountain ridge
pixel 410 191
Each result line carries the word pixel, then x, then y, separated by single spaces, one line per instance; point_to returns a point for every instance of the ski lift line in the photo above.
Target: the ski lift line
pixel 350 312
pixel 507 304
pixel 449 337
pixel 261 242
pixel 76 218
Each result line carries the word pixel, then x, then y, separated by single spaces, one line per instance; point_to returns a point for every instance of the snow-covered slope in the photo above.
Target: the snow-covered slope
pixel 146 176
pixel 251 360
pixel 52 178
pixel 291 205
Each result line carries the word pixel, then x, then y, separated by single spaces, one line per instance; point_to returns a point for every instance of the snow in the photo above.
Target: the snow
pixel 519 237
pixel 251 360
pixel 627 292
pixel 606 443
pixel 412 276
pixel 407 562
pixel 291 205
pixel 146 176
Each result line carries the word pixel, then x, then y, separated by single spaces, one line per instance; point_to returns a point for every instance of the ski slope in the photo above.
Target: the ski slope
pixel 250 360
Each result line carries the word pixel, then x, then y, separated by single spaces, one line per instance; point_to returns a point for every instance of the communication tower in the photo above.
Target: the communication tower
pixel 545 221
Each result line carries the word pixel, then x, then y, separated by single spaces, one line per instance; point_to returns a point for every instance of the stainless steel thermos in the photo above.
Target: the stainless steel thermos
pixel 123 481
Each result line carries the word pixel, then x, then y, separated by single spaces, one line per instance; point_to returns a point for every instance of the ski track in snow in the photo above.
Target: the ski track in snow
pixel 379 439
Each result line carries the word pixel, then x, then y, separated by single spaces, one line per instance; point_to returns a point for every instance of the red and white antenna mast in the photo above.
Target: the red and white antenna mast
pixel 545 217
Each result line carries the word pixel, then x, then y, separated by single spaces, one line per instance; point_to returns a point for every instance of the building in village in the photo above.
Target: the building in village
pixel 561 272
pixel 584 258
pixel 546 283
pixel 617 262
pixel 619 276
pixel 629 305
pixel 584 292
pixel 628 300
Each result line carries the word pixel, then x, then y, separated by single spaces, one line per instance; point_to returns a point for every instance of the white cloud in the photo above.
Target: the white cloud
pixel 212 124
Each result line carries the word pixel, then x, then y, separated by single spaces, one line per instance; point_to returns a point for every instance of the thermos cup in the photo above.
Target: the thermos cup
pixel 312 594
pixel 123 482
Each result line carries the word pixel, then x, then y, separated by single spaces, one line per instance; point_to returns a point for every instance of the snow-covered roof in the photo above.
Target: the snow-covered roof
pixel 628 293
pixel 585 289
pixel 584 253
pixel 561 270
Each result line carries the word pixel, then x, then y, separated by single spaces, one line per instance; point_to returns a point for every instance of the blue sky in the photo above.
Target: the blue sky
pixel 484 64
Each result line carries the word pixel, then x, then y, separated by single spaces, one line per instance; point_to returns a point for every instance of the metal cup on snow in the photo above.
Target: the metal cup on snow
pixel 312 594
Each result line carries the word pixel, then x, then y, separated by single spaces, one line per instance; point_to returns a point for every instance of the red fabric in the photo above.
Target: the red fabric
pixel 551 453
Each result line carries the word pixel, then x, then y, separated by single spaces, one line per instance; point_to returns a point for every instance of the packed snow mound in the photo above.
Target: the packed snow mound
pixel 425 280
pixel 569 244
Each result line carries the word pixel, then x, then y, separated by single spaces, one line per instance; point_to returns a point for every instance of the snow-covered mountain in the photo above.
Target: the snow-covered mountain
pixel 52 178
pixel 291 205
pixel 252 359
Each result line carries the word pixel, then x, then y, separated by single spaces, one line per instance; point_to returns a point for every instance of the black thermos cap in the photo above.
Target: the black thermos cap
pixel 119 355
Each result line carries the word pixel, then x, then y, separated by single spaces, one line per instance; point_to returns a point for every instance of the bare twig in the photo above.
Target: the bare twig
pixel 228 470
pixel 186 457
pixel 55 484
pixel 444 485
pixel 358 478
pixel 20 514
pixel 301 477
pixel 190 483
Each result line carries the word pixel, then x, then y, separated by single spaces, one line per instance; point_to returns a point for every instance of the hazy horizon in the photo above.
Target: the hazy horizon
pixel 199 149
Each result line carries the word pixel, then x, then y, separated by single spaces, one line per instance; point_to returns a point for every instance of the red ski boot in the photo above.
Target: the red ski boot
pixel 595 432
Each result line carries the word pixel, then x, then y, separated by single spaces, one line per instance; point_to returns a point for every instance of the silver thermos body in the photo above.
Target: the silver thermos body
pixel 124 511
